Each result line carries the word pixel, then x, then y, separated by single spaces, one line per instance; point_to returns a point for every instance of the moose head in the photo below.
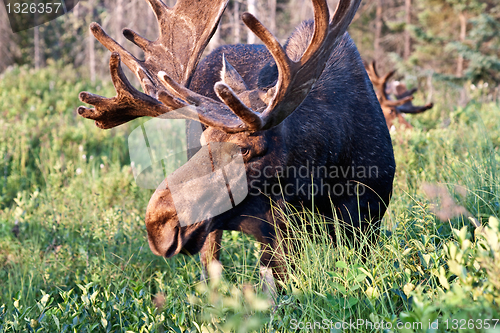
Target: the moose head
pixel 303 117
pixel 402 104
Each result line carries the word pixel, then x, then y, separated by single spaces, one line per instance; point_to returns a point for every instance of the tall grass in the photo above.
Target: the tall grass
pixel 74 254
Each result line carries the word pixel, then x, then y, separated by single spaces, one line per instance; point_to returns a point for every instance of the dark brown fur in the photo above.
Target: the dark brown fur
pixel 339 124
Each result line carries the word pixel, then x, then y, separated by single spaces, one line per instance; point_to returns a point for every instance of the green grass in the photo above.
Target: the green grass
pixel 74 255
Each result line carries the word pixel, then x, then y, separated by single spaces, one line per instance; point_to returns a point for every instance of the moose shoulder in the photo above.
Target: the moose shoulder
pixel 305 118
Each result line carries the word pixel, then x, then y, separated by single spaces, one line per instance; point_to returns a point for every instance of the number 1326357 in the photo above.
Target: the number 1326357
pixel 463 324
pixel 32 8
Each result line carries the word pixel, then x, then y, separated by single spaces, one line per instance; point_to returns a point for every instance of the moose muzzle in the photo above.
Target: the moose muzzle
pixel 212 182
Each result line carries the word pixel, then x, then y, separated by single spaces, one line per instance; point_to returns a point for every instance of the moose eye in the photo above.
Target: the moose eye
pixel 244 151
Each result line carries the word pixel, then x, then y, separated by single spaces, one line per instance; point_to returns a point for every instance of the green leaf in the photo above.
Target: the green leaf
pixel 442 278
pixel 339 287
pixel 341 264
pixel 56 320
pixel 104 322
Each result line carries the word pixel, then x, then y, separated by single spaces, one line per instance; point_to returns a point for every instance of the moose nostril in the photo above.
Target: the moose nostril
pixel 173 243
pixel 164 243
pixel 171 252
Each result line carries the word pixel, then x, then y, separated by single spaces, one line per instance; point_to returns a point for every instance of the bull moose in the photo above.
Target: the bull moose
pixel 394 108
pixel 306 105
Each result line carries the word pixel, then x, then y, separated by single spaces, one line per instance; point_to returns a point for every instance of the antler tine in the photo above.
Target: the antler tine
pixel 321 25
pixel 128 58
pixel 128 104
pixel 371 68
pixel 159 8
pixel 408 107
pixel 380 83
pixel 394 103
pixel 251 119
pixel 387 77
pixel 111 44
pixel 138 40
pixel 283 62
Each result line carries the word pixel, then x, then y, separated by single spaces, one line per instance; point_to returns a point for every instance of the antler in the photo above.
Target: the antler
pixel 185 30
pixel 380 85
pixel 175 69
pixel 295 78
pixel 403 103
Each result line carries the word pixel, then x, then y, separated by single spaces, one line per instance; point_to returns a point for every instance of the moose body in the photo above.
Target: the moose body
pixel 329 124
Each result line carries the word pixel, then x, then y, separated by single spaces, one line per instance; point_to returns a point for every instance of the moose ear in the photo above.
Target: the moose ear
pixel 230 76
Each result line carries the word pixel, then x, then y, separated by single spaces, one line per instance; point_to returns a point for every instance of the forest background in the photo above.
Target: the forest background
pixel 456 41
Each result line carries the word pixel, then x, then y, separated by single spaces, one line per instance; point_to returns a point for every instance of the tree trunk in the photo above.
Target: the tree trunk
pixel 91 46
pixel 237 25
pixel 76 11
pixel 430 88
pixel 119 19
pixel 215 41
pixel 38 59
pixel 378 31
pixel 463 34
pixel 271 6
pixel 151 29
pixel 252 9
pixel 407 50
pixel 8 46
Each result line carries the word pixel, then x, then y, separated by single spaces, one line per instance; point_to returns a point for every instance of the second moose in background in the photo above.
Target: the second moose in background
pixel 394 108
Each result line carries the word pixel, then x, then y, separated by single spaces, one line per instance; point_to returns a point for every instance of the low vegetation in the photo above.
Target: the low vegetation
pixel 74 255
